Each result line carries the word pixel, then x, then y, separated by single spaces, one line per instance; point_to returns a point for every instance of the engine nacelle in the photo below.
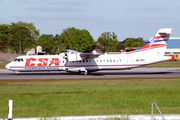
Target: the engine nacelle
pixel 74 57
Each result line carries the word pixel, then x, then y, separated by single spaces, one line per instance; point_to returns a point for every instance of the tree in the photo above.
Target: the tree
pixel 120 46
pixel 4 37
pixel 48 43
pixel 76 39
pixel 48 47
pixel 104 39
pixel 22 35
pixel 45 38
pixel 134 42
pixel 109 41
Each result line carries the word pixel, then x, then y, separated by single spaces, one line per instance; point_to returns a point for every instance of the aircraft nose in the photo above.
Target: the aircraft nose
pixel 7 66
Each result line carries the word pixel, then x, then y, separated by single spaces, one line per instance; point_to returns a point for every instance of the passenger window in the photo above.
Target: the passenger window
pixel 19 60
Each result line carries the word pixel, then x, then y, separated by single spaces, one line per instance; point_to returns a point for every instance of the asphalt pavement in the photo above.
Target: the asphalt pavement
pixel 133 73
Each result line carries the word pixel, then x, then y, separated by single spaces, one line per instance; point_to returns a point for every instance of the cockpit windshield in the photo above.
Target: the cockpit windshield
pixel 15 59
pixel 18 59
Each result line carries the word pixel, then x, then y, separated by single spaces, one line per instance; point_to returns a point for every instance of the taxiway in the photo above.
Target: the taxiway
pixel 134 73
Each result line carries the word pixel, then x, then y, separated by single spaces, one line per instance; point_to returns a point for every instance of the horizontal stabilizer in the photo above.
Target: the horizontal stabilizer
pixel 165 31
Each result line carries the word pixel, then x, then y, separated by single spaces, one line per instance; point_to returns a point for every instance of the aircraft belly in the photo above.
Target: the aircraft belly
pixel 113 67
pixel 81 68
pixel 36 68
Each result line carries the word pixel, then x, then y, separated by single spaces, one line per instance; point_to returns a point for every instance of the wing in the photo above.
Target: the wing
pixel 72 55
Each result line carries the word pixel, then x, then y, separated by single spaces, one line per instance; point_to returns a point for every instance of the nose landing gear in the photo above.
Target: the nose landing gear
pixel 16 72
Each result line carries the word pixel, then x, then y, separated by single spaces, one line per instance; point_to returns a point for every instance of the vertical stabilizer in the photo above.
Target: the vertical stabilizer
pixel 159 42
pixel 162 35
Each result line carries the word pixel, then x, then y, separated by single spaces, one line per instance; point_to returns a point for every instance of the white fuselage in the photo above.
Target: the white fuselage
pixel 102 62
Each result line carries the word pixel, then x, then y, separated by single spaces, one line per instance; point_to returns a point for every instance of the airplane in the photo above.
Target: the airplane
pixel 83 63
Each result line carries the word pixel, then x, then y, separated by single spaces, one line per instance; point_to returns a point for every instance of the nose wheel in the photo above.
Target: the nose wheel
pixel 16 72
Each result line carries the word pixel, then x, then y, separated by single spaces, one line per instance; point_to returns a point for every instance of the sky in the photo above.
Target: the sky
pixel 127 18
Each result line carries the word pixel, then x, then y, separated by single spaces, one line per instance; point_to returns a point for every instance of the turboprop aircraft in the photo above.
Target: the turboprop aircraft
pixel 73 61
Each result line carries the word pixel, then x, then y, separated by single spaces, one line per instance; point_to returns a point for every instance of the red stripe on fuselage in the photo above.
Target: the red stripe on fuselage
pixel 153 45
pixel 147 47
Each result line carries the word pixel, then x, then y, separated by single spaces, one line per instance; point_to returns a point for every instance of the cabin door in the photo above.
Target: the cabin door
pixel 129 61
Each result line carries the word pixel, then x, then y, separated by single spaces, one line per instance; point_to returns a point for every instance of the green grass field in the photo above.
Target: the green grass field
pixel 164 64
pixel 45 98
pixel 2 64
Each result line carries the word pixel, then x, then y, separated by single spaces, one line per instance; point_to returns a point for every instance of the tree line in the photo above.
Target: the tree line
pixel 21 36
pixel 18 36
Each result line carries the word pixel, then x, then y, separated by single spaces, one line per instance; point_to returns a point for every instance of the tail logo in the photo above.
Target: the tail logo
pixel 159 40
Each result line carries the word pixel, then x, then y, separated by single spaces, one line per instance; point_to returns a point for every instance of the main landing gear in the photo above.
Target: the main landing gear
pixel 85 72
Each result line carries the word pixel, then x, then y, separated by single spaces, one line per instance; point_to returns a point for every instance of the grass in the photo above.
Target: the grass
pixel 45 98
pixel 3 64
pixel 165 64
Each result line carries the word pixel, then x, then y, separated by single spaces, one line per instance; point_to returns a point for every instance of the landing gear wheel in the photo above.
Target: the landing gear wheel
pixel 84 72
pixel 16 72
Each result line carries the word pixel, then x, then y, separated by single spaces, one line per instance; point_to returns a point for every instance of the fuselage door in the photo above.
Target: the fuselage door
pixel 129 61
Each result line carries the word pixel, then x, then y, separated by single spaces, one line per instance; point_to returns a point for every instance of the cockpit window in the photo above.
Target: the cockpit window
pixel 15 59
pixel 18 59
